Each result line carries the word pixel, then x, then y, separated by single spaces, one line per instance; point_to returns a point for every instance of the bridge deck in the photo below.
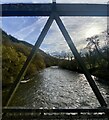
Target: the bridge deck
pixel 30 113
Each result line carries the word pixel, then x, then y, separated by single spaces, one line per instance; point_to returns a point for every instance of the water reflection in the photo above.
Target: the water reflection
pixel 55 87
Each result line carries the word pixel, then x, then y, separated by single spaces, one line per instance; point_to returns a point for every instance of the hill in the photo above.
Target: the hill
pixel 15 53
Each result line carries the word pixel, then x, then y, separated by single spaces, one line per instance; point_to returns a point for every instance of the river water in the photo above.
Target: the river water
pixel 57 88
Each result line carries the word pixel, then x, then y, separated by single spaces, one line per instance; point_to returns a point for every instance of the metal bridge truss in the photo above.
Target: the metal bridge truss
pixel 54 11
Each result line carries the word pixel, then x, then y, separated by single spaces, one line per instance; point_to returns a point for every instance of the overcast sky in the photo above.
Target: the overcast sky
pixel 79 28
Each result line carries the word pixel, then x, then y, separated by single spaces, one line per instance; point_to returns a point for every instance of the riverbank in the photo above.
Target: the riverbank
pixel 101 74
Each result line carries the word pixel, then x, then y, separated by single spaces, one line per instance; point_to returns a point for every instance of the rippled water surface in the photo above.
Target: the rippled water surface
pixel 55 87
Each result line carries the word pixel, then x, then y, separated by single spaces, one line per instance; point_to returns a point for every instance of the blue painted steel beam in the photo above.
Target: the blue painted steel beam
pixel 62 9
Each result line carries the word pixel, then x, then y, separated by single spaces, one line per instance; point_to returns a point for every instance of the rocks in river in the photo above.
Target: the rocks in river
pixel 25 81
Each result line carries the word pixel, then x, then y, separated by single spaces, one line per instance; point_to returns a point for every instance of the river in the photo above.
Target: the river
pixel 54 87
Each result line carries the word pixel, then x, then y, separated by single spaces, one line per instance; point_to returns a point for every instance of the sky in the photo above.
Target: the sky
pixel 49 1
pixel 79 28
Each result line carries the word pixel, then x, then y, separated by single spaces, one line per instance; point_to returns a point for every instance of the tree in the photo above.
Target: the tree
pixel 99 54
pixel 11 65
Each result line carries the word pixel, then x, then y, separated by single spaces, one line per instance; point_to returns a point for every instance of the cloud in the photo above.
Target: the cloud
pixel 82 1
pixel 54 40
pixel 50 1
pixel 41 1
pixel 26 33
pixel 77 27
